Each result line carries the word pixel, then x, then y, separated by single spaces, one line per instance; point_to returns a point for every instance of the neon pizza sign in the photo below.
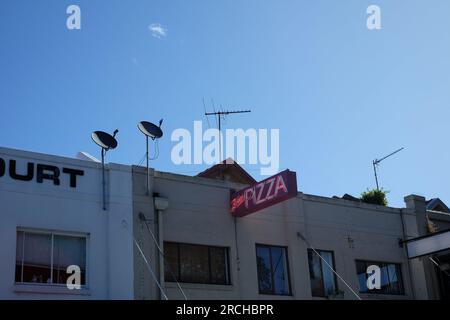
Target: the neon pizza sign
pixel 264 194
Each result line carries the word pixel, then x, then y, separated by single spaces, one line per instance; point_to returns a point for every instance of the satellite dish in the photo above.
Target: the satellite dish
pixel 150 130
pixel 104 140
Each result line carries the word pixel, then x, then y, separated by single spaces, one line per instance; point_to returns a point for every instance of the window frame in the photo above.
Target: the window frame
pixel 321 271
pixel 52 233
pixel 382 264
pixel 227 269
pixel 288 275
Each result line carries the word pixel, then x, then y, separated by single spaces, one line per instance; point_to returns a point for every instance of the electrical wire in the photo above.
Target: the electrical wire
pixel 337 274
pixel 150 269
pixel 164 258
pixel 125 224
pixel 150 158
pixel 439 267
pixel 142 159
pixel 156 151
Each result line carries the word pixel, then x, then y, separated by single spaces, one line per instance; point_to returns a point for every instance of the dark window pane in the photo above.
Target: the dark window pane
pixel 279 270
pixel 19 256
pixel 37 258
pixel 323 281
pixel 273 276
pixel 392 272
pixel 194 263
pixel 218 265
pixel 398 280
pixel 171 271
pixel 395 284
pixel 384 278
pixel 264 269
pixel 362 276
pixel 68 251
pixel 390 277
pixel 361 267
pixel 328 275
pixel 315 274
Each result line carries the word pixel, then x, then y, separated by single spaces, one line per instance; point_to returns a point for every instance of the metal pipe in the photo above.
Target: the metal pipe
pixel 161 247
pixel 375 172
pixel 408 263
pixel 103 179
pixel 148 175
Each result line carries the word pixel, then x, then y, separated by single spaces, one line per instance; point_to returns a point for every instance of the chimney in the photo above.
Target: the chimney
pixel 419 206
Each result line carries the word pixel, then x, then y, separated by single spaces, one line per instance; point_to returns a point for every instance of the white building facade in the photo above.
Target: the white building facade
pixel 52 217
pixel 209 254
pixel 178 240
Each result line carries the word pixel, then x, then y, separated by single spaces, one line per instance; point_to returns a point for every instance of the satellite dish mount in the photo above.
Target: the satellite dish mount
pixel 153 132
pixel 106 142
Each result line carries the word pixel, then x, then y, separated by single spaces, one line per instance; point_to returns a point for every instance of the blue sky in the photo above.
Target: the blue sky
pixel 340 94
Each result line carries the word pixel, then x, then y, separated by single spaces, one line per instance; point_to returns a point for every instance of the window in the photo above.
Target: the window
pixel 44 257
pixel 196 263
pixel 323 280
pixel 391 277
pixel 273 274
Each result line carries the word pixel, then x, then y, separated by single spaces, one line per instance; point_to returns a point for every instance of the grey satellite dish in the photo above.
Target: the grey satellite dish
pixel 106 142
pixel 153 132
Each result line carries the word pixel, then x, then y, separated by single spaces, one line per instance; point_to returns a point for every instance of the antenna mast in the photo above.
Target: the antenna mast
pixel 219 115
pixel 376 162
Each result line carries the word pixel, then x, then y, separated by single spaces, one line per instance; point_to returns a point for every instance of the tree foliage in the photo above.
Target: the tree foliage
pixel 375 196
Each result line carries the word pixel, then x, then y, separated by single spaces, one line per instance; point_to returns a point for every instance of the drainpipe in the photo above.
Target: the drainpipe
pixel 408 264
pixel 161 204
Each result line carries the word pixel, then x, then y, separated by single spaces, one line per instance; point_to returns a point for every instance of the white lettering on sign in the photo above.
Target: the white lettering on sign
pixel 256 194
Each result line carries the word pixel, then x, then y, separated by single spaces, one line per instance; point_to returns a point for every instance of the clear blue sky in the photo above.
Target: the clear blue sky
pixel 340 94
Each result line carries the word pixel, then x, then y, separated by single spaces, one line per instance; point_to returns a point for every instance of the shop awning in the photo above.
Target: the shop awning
pixel 428 244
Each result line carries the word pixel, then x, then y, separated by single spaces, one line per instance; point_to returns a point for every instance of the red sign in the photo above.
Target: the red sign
pixel 264 194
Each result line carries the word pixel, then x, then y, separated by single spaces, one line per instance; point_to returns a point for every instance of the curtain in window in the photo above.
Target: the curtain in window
pixel 68 251
pixel 328 275
pixel 37 258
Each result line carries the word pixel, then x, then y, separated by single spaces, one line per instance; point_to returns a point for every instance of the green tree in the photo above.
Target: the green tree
pixel 375 196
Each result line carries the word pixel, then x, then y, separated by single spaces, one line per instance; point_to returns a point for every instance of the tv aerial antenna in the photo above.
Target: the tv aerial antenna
pixel 153 132
pixel 221 115
pixel 376 162
pixel 106 142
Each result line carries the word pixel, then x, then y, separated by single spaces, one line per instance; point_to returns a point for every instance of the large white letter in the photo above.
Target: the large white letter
pixel 183 147
pixel 198 142
pixel 241 136
pixel 74 20
pixel 212 135
pixel 274 159
pixel 374 20
pixel 374 279
pixel 74 280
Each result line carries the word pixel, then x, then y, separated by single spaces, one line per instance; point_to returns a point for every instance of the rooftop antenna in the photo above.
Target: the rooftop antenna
pixel 219 115
pixel 204 108
pixel 376 162
pixel 153 132
pixel 106 142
